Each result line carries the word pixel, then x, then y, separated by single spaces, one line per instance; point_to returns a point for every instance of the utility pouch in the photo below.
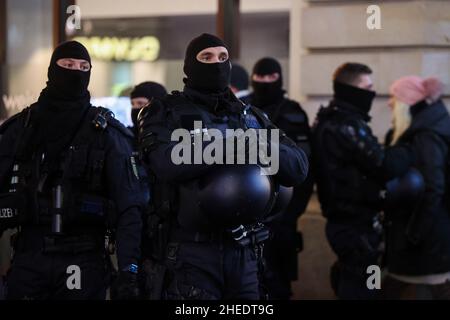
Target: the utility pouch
pixel 91 210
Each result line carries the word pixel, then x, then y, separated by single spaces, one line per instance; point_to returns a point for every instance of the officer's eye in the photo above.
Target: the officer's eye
pixel 223 57
pixel 205 57
pixel 85 67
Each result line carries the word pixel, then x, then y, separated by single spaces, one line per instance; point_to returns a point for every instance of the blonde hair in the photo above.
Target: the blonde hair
pixel 401 120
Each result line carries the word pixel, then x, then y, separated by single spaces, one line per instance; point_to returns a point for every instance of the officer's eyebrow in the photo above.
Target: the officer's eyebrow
pixel 73 60
pixel 206 54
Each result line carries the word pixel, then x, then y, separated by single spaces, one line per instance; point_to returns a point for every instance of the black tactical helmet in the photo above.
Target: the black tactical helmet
pixel 235 194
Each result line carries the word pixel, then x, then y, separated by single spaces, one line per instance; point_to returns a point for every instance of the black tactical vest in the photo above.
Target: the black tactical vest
pixel 198 202
pixel 76 182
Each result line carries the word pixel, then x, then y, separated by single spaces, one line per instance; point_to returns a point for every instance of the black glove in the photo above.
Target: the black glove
pixel 125 287
pixel 363 145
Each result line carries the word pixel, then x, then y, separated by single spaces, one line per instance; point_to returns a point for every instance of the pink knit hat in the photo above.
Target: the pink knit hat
pixel 413 89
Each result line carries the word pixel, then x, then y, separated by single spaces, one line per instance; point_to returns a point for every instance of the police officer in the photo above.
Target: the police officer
pixel 67 177
pixel 140 96
pixel 352 169
pixel 216 210
pixel 239 82
pixel 288 115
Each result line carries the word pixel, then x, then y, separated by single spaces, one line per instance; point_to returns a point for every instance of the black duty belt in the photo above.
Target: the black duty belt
pixel 243 235
pixel 60 244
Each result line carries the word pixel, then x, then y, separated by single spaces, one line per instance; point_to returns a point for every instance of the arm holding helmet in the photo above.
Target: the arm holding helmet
pixel 155 130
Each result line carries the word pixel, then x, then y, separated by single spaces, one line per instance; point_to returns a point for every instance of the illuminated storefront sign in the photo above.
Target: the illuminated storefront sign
pixel 122 49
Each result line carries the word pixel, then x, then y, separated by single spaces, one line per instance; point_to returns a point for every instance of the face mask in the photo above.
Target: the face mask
pixel 267 93
pixel 209 77
pixel 134 116
pixel 357 97
pixel 67 84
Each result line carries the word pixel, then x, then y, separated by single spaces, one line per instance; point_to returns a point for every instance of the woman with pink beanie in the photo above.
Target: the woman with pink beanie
pixel 418 234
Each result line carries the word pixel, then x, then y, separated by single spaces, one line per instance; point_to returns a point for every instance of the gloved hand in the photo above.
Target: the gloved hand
pixel 125 287
pixel 236 146
pixel 358 139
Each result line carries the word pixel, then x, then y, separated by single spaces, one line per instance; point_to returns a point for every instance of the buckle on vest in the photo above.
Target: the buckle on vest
pixel 101 119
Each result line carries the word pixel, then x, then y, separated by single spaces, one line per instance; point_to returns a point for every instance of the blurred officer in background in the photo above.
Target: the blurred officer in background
pixel 239 82
pixel 140 96
pixel 281 252
pixel 351 171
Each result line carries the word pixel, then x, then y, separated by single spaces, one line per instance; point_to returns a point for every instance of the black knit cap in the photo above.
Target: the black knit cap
pixel 267 66
pixel 70 49
pixel 198 44
pixel 148 90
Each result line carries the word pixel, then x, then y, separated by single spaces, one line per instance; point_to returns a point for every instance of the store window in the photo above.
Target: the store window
pixel 129 51
pixel 125 51
pixel 29 43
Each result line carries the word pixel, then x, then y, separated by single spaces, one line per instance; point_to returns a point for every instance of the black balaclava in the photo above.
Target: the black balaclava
pixel 66 84
pixel 206 77
pixel 64 102
pixel 357 97
pixel 147 90
pixel 267 93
